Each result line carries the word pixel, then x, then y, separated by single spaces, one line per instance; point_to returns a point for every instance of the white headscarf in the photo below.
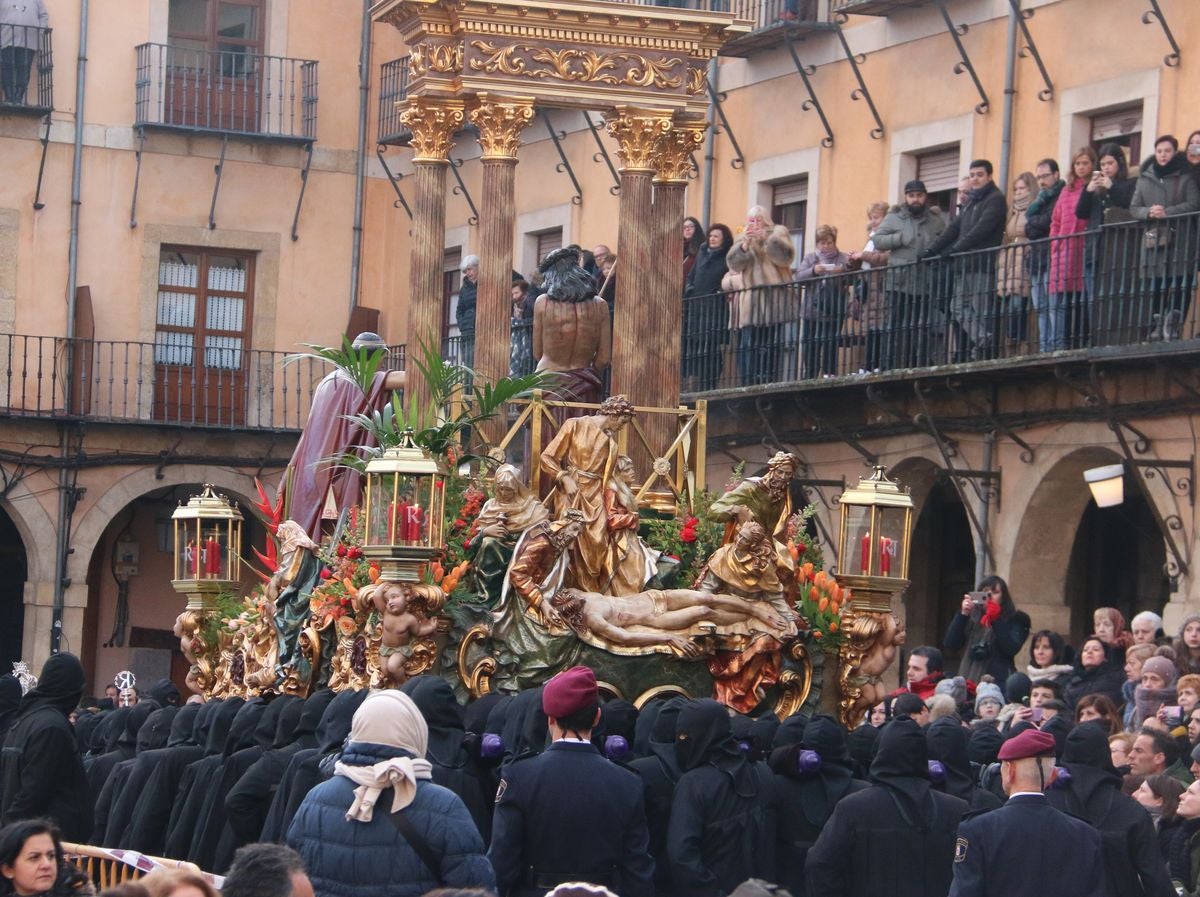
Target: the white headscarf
pixel 389 718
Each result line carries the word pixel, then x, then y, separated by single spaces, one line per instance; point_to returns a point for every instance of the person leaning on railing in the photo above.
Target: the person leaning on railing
pixel 824 304
pixel 763 258
pixel 868 305
pixel 1066 254
pixel 706 311
pixel 21 27
pixel 1108 256
pixel 1166 189
pixel 1012 276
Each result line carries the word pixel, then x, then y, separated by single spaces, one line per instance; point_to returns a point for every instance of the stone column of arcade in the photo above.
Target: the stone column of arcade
pixel 638 133
pixel 500 121
pixel 433 124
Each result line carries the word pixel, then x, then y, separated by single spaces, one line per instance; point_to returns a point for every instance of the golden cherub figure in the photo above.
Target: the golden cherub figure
pixel 407 612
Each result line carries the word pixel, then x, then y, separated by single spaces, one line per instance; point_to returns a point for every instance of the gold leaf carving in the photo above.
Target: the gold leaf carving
pixel 697 76
pixel 431 57
pixel 433 125
pixel 675 148
pixel 500 124
pixel 574 64
pixel 638 134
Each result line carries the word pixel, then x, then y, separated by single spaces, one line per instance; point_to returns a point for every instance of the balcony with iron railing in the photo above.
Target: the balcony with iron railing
pixel 26 70
pixel 393 89
pixel 874 7
pixel 226 92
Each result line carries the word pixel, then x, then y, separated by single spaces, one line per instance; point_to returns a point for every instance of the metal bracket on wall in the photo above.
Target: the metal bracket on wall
pixel 137 176
pixel 1172 59
pixel 855 60
pixel 989 414
pixel 870 459
pixel 393 179
pixel 461 190
pixel 949 450
pixel 806 71
pixel 38 205
pixel 602 155
pixel 739 158
pixel 308 154
pixel 219 169
pixel 957 32
pixel 1030 49
pixel 564 166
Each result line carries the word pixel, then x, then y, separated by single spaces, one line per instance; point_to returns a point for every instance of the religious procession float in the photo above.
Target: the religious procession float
pixel 406 541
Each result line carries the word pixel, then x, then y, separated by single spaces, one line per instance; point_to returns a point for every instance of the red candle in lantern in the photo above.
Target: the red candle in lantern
pixel 212 557
pixel 397 514
pixel 414 521
pixel 887 548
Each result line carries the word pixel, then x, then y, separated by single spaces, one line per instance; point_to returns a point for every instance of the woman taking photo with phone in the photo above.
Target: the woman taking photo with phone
pixel 989 630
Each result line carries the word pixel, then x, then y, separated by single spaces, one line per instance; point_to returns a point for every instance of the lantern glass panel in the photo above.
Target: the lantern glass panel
pixel 399 512
pixel 891 541
pixel 214 552
pixel 858 539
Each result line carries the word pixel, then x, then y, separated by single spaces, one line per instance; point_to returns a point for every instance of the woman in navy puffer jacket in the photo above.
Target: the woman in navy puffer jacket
pixel 343 831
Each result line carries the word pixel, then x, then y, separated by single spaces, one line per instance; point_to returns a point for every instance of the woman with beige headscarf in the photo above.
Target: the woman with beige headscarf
pixel 762 258
pixel 380 825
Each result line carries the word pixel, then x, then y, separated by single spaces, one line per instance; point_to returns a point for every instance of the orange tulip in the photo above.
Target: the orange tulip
pixel 824 604
pixel 834 607
pixel 833 627
pixel 817 634
pixel 438 573
pixel 793 551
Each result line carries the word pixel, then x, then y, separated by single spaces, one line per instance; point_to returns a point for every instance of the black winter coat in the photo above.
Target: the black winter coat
pixel 1106 679
pixel 979 226
pixel 464 314
pixel 705 276
pixel 1092 206
pixel 1007 636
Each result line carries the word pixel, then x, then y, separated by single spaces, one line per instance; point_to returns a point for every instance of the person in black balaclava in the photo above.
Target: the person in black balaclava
pixel 659 769
pixel 211 849
pixel 947 742
pixel 862 744
pixel 1093 793
pixel 762 736
pixel 41 772
pixel 86 723
pixel 248 802
pixel 164 692
pixel 103 770
pixel 805 795
pixel 722 828
pixel 197 779
pixel 434 697
pixel 525 733
pixel 645 727
pixel 154 780
pixel 116 795
pixel 304 772
pixel 894 839
pixel 10 700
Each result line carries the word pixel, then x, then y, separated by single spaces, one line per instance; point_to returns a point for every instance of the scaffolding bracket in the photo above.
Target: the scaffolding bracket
pixel 461 190
pixel 38 205
pixel 869 457
pixel 855 60
pixel 602 155
pixel 739 158
pixel 308 154
pixel 812 103
pixel 957 32
pixel 137 176
pixel 1030 49
pixel 394 179
pixel 564 165
pixel 1172 59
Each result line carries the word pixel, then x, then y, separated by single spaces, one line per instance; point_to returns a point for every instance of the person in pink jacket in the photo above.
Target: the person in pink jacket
pixel 1069 301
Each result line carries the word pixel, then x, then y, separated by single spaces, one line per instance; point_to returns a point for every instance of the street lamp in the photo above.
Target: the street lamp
pixel 1107 484
pixel 403 508
pixel 208 542
pixel 874 540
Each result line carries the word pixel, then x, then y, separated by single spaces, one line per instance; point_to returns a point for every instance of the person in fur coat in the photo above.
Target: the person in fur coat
pixel 763 258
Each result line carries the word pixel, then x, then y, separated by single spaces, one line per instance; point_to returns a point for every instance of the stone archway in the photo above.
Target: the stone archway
pixel 1042 550
pixel 14 567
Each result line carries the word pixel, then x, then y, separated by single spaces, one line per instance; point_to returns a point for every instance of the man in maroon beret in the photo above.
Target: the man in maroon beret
pixel 568 814
pixel 1027 846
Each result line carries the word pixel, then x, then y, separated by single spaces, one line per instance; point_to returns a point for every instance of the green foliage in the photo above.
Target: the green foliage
pixel 690 536
pixel 360 365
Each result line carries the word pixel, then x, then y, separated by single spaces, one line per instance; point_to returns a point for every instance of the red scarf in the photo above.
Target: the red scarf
pixel 991 613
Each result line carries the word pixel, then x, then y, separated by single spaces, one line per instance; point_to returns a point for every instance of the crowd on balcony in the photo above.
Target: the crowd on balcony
pixel 1083 255
pixel 22 23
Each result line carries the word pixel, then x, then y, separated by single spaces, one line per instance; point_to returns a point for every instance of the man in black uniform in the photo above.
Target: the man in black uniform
pixel 568 814
pixel 1027 846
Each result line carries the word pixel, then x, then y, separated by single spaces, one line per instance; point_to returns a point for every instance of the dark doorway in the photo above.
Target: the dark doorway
pixel 12 592
pixel 941 567
pixel 1116 561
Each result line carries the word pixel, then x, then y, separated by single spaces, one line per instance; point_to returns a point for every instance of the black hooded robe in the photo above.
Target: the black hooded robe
pixel 947 741
pixel 896 837
pixel 722 828
pixel 152 736
pixel 660 772
pixel 108 764
pixel 41 772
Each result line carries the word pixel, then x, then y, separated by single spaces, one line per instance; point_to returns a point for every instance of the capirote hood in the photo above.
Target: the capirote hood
pixel 335 722
pixel 704 734
pixel 138 714
pixel 183 725
pixel 442 713
pixel 156 731
pixel 827 737
pixel 310 715
pixel 790 731
pixel 59 686
pixel 220 723
pixel 244 728
pixel 947 741
pixel 902 764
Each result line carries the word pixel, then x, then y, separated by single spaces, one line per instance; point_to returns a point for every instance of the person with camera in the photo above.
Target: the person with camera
pixel 990 629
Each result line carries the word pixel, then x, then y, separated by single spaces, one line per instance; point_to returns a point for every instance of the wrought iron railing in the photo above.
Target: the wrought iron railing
pixel 226 92
pixel 135 382
pixel 1123 285
pixel 764 13
pixel 393 88
pixel 26 68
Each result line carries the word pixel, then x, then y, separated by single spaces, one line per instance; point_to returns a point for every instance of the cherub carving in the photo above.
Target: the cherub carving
pixel 870 649
pixel 408 613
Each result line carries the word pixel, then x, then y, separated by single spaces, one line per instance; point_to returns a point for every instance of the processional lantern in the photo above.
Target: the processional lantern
pixel 208 541
pixel 403 507
pixel 874 540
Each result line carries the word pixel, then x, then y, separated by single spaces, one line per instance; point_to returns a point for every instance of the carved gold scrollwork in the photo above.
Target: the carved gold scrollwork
pixel 675 148
pixel 794 686
pixel 500 123
pixel 638 134
pixel 433 124
pixel 574 64
pixel 435 57
pixel 477 677
pixel 697 75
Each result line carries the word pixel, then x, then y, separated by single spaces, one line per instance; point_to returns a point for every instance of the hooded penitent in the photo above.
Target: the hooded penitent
pixel 827 738
pixel 947 741
pixel 435 700
pixel 902 765
pixel 10 700
pixel 703 735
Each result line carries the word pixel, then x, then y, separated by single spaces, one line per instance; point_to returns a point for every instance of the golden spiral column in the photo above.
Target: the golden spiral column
pixel 500 122
pixel 433 124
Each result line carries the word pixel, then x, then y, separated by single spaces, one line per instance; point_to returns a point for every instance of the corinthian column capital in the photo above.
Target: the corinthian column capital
pixel 500 121
pixel 433 124
pixel 637 132
pixel 673 160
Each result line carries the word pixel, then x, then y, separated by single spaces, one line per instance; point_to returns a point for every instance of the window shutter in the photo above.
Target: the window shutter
pixel 939 169
pixel 548 242
pixel 789 192
pixel 1117 123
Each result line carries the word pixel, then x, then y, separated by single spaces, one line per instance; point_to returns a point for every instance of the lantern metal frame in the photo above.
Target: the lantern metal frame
pixel 213 514
pixel 400 560
pixel 876 494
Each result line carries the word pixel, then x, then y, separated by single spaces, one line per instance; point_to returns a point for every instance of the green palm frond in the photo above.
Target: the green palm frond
pixel 360 365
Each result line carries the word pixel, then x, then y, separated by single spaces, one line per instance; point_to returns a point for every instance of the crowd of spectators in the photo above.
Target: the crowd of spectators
pixel 1091 256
